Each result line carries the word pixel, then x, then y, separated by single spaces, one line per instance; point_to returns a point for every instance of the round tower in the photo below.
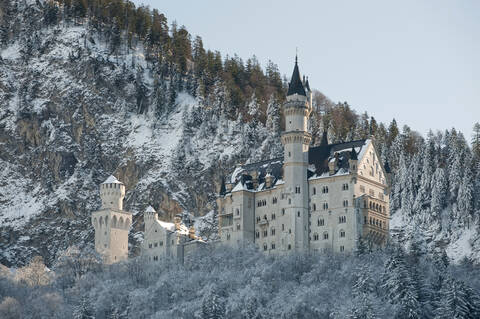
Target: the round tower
pixel 112 193
pixel 296 141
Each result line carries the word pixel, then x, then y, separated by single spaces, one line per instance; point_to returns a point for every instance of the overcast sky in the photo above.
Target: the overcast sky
pixel 415 61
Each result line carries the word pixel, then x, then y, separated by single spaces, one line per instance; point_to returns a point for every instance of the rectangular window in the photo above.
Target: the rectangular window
pixel 362 188
pixel 155 244
pixel 342 248
pixel 149 245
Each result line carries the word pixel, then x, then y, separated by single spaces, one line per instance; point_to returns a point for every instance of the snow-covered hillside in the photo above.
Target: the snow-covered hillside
pixel 70 117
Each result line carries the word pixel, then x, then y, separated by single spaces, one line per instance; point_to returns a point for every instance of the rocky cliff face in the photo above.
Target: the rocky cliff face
pixel 70 116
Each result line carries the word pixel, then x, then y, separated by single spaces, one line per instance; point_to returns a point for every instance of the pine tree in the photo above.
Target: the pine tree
pixel 458 301
pixel 399 286
pixel 439 190
pixel 83 310
pixel 476 144
pixel 212 306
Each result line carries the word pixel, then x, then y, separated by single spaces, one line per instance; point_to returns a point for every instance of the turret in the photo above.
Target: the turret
pixel 296 140
pixel 149 217
pixel 112 193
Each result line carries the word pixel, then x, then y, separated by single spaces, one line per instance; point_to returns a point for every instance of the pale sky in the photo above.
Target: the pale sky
pixel 415 61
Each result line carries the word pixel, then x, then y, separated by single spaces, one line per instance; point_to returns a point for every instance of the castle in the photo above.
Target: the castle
pixel 161 239
pixel 327 198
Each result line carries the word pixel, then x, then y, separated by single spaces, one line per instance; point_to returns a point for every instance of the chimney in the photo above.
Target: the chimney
pixel 191 232
pixel 254 175
pixel 332 164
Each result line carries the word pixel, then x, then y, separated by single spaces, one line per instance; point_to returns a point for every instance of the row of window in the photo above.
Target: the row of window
pixel 272 232
pixel 272 246
pixel 155 244
pixel 375 222
pixel 325 235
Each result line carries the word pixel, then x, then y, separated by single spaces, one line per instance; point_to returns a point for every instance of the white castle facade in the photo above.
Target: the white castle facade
pixel 161 239
pixel 317 199
pixel 327 198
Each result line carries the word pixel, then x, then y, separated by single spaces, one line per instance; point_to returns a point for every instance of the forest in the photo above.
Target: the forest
pixel 230 283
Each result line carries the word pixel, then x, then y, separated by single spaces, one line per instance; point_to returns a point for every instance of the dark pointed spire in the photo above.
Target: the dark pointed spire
pixel 324 141
pixel 296 86
pixel 353 155
pixel 307 85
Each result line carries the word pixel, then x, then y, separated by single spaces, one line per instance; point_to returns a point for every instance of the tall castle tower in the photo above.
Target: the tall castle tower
pixel 111 222
pixel 296 140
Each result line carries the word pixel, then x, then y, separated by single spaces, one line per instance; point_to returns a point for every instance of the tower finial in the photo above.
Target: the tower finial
pixel 296 55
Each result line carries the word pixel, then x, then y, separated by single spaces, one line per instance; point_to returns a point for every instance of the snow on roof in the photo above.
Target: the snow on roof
pixel 149 210
pixel 280 182
pixel 238 187
pixel 112 180
pixel 167 226
pixel 235 173
pixel 363 150
pixel 260 187
pixel 340 172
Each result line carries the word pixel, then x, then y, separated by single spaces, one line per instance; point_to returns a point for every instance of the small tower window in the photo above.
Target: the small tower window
pixel 325 236
pixel 314 191
pixel 298 213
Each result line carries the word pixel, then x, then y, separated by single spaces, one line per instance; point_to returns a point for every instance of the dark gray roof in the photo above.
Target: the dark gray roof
pixel 307 85
pixel 296 85
pixel 320 155
pixel 317 157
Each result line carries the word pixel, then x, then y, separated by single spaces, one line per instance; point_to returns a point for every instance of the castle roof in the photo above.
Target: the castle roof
pixel 307 86
pixel 296 86
pixel 112 180
pixel 318 159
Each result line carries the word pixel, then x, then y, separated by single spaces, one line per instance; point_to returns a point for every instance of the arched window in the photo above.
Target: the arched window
pixel 100 221
pixel 272 231
pixel 298 213
pixel 342 233
pixel 228 236
pixel 265 246
pixel 314 207
pixel 314 191
pixel 325 235
pixel 315 236
pixel 257 234
pixel 321 222
pixel 345 203
pixel 120 222
pixel 114 221
pixel 237 212
pixel 273 245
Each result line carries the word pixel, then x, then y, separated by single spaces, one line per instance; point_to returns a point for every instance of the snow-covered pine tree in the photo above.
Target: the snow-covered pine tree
pixel 399 286
pixel 213 306
pixel 83 310
pixel 458 301
pixel 428 167
pixel 439 190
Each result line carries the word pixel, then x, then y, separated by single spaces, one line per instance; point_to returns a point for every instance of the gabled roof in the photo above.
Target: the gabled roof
pixel 296 86
pixel 112 180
